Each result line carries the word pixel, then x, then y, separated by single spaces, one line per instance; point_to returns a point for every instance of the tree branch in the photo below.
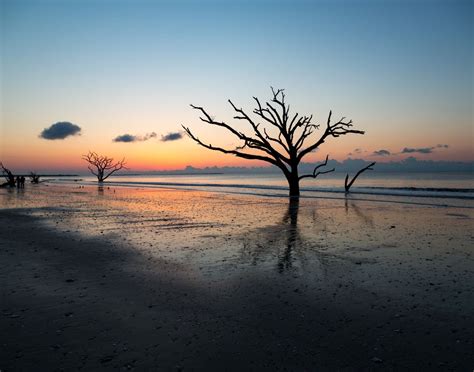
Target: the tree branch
pixel 340 128
pixel 260 111
pixel 262 141
pixel 316 173
pixel 226 151
pixel 347 185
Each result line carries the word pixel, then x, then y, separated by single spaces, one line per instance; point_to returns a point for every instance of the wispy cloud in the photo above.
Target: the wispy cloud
pixel 60 130
pixel 132 138
pixel 173 136
pixel 356 151
pixel 423 150
pixel 381 153
pixel 420 150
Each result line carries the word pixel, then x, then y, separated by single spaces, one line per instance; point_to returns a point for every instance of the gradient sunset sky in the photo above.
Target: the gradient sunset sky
pixel 401 70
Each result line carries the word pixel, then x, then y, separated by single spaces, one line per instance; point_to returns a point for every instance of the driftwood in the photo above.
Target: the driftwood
pixel 34 178
pixel 9 177
pixel 347 184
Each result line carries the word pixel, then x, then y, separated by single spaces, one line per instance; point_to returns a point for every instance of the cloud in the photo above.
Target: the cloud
pixel 125 138
pixel 381 153
pixel 60 130
pixel 356 151
pixel 423 150
pixel 173 136
pixel 420 150
pixel 148 136
pixel 131 138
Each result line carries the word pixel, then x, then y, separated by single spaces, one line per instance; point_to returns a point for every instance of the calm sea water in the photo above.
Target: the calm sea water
pixel 444 185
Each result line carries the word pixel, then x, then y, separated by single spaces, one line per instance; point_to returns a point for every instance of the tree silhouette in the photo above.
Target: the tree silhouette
pixel 283 141
pixel 348 184
pixel 102 166
pixel 9 177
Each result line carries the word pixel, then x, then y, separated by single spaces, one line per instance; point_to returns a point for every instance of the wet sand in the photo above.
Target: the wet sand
pixel 161 279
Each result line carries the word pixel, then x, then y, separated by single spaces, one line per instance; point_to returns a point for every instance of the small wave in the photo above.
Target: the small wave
pixel 417 189
pixel 425 192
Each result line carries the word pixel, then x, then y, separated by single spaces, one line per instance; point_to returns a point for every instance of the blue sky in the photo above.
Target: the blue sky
pixel 402 69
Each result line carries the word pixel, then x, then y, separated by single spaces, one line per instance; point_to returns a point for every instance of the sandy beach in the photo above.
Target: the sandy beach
pixel 165 279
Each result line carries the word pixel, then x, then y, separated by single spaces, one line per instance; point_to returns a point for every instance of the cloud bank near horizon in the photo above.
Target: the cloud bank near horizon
pixel 408 150
pixel 410 164
pixel 60 130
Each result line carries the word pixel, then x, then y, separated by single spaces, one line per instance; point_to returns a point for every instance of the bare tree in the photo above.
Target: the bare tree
pixel 102 166
pixel 9 177
pixel 347 184
pixel 283 141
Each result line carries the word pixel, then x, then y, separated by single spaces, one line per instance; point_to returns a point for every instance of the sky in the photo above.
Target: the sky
pixel 401 70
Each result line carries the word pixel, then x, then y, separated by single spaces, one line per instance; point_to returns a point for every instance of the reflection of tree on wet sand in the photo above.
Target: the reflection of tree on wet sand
pixel 351 205
pixel 293 237
pixel 101 189
pixel 284 243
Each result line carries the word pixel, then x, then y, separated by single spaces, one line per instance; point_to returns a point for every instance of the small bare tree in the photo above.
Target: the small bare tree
pixel 348 184
pixel 102 166
pixel 9 177
pixel 283 142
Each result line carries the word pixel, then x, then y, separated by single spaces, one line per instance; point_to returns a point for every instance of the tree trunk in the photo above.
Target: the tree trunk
pixel 294 183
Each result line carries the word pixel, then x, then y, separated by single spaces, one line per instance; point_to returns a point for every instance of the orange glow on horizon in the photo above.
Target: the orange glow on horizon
pixel 30 153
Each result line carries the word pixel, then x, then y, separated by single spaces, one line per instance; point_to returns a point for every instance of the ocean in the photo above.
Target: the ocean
pixel 444 185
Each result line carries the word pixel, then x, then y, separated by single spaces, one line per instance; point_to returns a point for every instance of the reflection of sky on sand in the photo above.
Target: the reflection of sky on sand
pixel 219 238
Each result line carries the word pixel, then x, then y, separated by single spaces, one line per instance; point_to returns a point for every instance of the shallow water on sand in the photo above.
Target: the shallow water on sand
pixel 379 277
pixel 259 234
